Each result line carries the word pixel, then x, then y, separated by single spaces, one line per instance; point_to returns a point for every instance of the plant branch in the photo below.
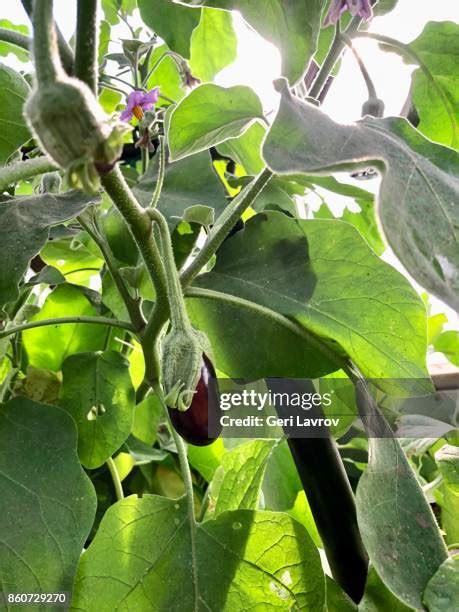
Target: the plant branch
pixel 177 308
pixel 161 173
pixel 9 331
pixel 16 38
pixel 115 78
pixel 140 226
pixel 24 170
pixel 45 50
pixel 188 482
pixel 65 51
pixel 333 56
pixel 132 305
pixel 139 223
pixel 87 43
pixel 157 63
pixel 115 478
pixel 104 83
pixel 225 223
pixel 365 74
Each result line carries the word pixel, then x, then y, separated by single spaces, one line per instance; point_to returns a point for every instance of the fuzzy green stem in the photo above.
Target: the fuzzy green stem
pixel 333 56
pixel 114 78
pixel 188 483
pixel 132 305
pixel 87 43
pixel 115 478
pixel 46 53
pixel 170 100
pixel 161 173
pixel 145 159
pixel 9 331
pixel 372 95
pixel 171 54
pixel 178 312
pixel 24 170
pixel 16 38
pixel 225 223
pixel 140 225
pixel 65 51
pixel 104 83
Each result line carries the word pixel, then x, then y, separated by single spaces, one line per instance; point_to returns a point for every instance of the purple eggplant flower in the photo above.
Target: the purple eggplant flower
pixel 362 8
pixel 139 102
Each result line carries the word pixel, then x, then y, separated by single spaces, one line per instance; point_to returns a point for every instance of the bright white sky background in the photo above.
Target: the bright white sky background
pixel 258 64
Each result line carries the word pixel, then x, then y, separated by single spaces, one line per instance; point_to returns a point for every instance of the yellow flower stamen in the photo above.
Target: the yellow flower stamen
pixel 138 112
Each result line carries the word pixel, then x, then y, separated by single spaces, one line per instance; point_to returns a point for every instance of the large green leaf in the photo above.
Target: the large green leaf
pixel 111 9
pixel 323 275
pixel 173 23
pixel 292 26
pixel 437 99
pixel 237 482
pixel 209 115
pixel 384 6
pixel 337 600
pixel 448 344
pixel 24 229
pixel 73 259
pixel 442 591
pixel 377 596
pixel 48 502
pixel 398 527
pixel 420 182
pixel 188 182
pixel 281 484
pixel 246 149
pixel 13 130
pixel 141 559
pixel 301 512
pixel 268 345
pixel 213 44
pixel 48 346
pixel 364 220
pixel 98 393
pixel 166 75
pixel 206 459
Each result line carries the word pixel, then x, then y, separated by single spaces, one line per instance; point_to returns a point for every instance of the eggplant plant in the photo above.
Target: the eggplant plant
pixel 155 253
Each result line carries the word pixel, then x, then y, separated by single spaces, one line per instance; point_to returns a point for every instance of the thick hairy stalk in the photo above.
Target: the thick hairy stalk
pixel 225 224
pixel 87 43
pixel 65 51
pixel 24 170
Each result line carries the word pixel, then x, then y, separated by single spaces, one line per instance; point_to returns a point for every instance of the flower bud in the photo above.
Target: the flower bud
pixel 50 183
pixel 373 107
pixel 182 354
pixel 74 131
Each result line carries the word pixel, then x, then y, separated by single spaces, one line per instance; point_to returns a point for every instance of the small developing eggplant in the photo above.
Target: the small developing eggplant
pixel 204 411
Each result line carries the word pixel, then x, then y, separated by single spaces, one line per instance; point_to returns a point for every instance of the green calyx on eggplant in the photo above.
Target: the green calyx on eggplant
pixel 203 412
